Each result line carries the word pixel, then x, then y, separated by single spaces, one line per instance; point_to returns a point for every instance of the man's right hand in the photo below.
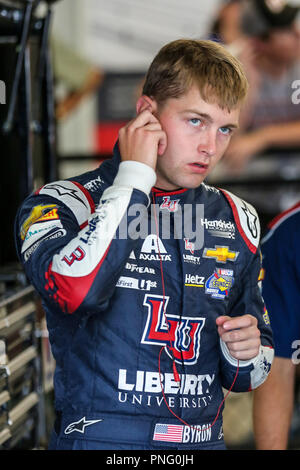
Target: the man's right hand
pixel 142 139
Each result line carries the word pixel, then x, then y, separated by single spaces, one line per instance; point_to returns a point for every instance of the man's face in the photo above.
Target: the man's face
pixel 283 45
pixel 198 134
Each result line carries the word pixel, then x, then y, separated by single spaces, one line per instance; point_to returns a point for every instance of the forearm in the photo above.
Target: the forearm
pixel 80 269
pixel 279 135
pixel 273 406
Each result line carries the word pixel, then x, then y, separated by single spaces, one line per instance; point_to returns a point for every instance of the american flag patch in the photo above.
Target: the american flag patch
pixel 168 433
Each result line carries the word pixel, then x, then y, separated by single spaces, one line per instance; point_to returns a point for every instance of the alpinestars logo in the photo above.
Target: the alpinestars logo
pixel 80 425
pixel 251 221
pixel 179 334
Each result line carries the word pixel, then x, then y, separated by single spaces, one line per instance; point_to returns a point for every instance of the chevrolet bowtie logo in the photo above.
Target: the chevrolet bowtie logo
pixel 220 253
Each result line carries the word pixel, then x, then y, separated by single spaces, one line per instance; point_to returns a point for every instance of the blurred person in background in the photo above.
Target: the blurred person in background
pixel 267 41
pixel 76 78
pixel 274 400
pixel 226 25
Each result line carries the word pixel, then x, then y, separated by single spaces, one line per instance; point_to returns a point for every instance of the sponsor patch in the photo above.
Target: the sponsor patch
pixel 219 228
pixel 133 283
pixel 57 234
pixel 189 245
pixel 194 280
pixel 37 213
pixel 38 231
pixel 132 267
pixel 153 250
pixel 221 254
pixel 219 283
pixel 191 259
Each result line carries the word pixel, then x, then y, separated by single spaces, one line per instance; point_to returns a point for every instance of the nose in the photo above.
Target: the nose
pixel 207 145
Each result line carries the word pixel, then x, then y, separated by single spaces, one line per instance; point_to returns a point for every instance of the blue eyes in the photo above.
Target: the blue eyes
pixel 225 130
pixel 196 122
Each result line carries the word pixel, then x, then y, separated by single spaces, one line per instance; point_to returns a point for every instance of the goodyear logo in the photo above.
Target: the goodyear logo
pixel 39 213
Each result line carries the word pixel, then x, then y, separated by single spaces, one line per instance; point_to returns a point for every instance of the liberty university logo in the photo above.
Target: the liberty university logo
pixel 179 334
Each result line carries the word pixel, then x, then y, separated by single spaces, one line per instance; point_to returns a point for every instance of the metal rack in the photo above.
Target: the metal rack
pixel 20 371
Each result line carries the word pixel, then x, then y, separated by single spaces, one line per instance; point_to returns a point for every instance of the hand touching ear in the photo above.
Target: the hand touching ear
pixel 142 139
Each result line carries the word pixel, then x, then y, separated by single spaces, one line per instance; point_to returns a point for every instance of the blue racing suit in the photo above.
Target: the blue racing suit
pixel 131 300
pixel 280 286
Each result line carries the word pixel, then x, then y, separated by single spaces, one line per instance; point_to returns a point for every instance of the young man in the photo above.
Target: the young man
pixel 149 315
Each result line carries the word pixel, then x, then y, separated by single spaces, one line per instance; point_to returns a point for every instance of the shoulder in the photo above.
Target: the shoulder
pixel 246 219
pixel 78 195
pixel 69 193
pixel 285 226
pixel 241 213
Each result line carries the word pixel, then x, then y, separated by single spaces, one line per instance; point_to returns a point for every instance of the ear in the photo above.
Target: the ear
pixel 145 102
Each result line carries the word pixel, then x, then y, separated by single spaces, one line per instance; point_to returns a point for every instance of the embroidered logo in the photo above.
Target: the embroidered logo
pixel 80 425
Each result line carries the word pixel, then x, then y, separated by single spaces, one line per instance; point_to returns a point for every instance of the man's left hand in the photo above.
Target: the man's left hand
pixel 240 334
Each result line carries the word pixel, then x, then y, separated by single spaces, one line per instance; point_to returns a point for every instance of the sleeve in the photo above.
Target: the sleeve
pixel 248 300
pixel 280 286
pixel 73 252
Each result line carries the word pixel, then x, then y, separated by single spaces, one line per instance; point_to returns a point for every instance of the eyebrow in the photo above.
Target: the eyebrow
pixel 209 118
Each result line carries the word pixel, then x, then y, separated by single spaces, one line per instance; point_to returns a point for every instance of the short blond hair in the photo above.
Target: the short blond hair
pixel 183 63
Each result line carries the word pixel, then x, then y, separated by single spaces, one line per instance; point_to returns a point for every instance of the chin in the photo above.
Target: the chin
pixel 192 184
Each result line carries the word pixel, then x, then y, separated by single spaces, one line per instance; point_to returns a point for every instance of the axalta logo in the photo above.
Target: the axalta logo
pixel 179 334
pixel 152 250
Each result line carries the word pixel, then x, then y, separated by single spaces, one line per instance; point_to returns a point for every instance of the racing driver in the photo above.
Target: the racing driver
pixel 149 276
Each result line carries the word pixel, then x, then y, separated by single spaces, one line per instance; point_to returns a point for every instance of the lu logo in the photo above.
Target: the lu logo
pixel 171 205
pixel 181 334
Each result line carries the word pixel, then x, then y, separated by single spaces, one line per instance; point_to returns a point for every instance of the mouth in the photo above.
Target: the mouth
pixel 198 167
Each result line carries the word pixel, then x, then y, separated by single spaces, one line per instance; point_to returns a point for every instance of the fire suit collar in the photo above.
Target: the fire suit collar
pixel 164 192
